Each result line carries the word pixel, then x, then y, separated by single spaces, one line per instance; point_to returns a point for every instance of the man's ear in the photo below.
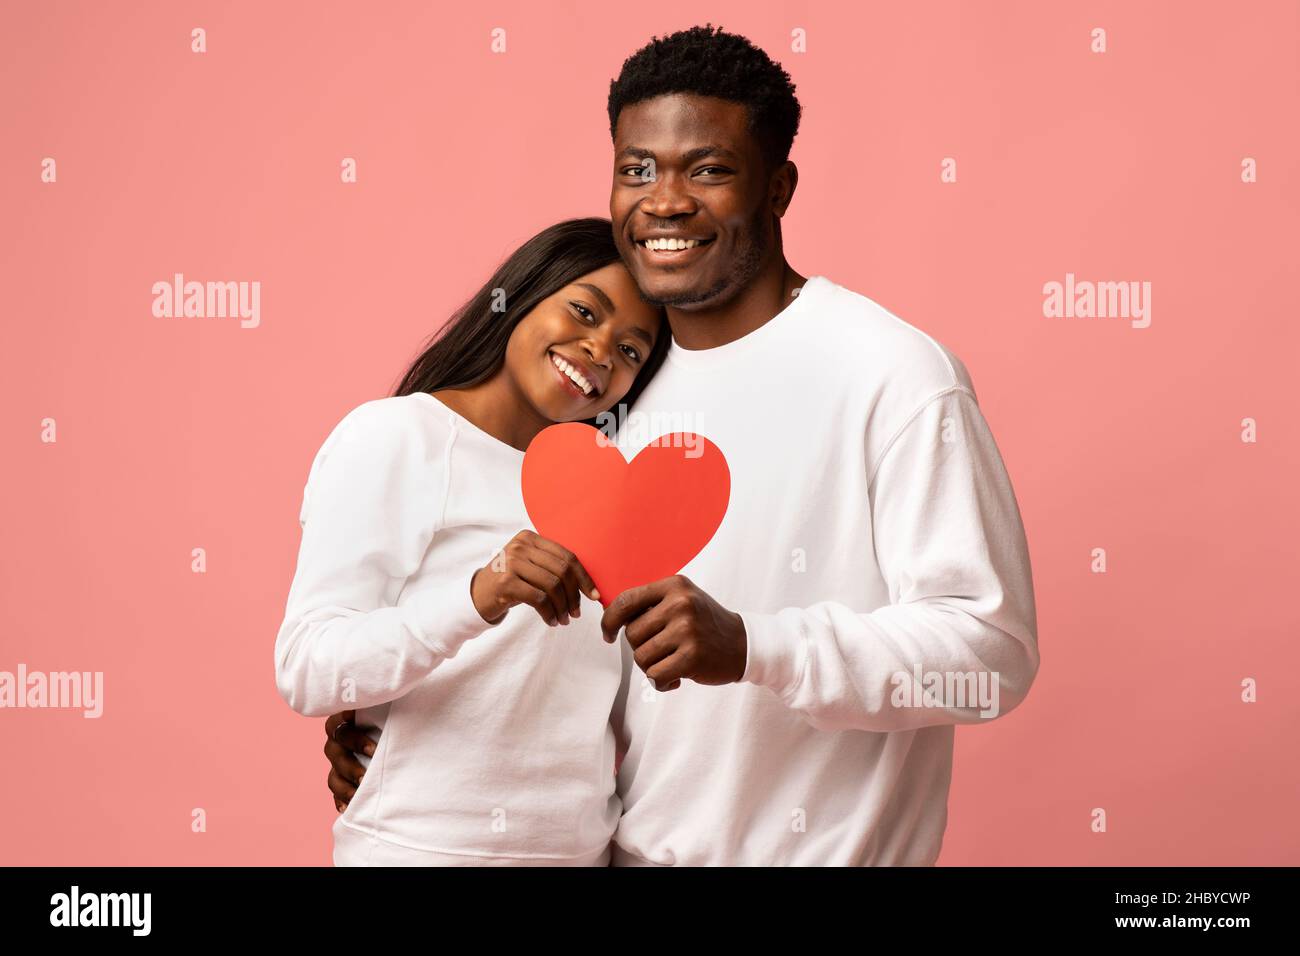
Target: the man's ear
pixel 784 180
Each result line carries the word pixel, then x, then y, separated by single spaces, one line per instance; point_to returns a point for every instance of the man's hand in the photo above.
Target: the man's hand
pixel 343 738
pixel 677 631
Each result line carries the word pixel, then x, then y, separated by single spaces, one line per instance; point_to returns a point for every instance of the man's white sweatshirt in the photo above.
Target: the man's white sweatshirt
pixel 872 541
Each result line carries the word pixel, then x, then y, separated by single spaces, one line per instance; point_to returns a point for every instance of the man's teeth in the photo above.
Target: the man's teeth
pixel 573 373
pixel 667 245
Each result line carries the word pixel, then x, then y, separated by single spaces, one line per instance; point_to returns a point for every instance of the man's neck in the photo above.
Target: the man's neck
pixel 754 306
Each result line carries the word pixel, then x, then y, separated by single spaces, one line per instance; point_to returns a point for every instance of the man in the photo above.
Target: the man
pixel 869 587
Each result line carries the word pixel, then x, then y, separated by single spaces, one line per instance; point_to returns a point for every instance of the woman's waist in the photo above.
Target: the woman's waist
pixel 507 801
pixel 354 846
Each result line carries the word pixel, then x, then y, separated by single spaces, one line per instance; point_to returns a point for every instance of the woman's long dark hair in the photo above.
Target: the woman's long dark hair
pixel 471 346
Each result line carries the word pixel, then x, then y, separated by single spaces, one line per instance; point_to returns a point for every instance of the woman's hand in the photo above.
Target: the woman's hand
pixel 535 571
pixel 343 738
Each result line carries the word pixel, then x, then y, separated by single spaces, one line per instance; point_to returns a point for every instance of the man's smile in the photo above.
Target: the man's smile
pixel 671 247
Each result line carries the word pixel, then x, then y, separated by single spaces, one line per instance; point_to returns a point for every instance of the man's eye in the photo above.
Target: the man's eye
pixel 720 170
pixel 631 353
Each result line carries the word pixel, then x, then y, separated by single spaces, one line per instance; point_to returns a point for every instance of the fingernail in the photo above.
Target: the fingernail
pixel 370 749
pixel 595 595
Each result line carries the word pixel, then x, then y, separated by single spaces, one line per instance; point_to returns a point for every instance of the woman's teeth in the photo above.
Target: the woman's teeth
pixel 667 245
pixel 573 374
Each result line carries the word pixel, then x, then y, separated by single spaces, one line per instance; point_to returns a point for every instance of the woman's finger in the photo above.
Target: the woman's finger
pixel 542 579
pixel 585 584
pixel 562 569
pixel 521 592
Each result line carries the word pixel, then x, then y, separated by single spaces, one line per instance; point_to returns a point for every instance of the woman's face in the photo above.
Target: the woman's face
pixel 578 351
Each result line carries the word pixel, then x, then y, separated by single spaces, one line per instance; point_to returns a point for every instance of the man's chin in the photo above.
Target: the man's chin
pixel 683 295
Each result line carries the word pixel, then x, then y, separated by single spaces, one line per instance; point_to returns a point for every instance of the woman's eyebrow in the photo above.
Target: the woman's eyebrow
pixel 643 335
pixel 599 294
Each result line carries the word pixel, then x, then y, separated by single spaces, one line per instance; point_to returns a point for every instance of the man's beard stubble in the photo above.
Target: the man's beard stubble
pixel 753 250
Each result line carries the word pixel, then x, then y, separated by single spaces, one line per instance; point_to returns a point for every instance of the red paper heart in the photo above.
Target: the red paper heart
pixel 629 523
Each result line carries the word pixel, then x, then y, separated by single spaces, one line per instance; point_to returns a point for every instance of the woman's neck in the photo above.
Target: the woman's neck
pixel 498 408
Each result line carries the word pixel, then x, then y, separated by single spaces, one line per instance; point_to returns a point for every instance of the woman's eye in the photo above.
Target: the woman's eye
pixel 631 353
pixel 586 313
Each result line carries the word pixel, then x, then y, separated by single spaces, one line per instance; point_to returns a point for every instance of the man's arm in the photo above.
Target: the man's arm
pixel 951 548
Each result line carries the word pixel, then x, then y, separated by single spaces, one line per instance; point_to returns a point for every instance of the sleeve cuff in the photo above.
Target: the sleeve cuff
pixel 775 650
pixel 444 617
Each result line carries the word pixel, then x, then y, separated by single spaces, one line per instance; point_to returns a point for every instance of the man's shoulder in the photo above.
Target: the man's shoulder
pixel 869 343
pixel 885 368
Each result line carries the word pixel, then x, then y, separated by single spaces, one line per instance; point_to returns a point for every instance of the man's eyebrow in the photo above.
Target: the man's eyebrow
pixel 599 294
pixel 700 152
pixel 689 156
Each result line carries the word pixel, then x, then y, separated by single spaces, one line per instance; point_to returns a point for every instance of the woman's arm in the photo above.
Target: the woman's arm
pixel 370 510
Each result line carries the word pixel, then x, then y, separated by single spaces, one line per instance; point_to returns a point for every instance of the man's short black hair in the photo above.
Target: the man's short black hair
pixel 708 62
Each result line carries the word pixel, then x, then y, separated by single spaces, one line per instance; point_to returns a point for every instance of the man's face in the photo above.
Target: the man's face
pixel 688 172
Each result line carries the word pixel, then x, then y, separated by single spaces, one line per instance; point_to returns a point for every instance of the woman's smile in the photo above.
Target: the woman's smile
pixel 575 378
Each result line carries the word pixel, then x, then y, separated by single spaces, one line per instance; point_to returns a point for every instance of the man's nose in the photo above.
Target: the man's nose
pixel 667 198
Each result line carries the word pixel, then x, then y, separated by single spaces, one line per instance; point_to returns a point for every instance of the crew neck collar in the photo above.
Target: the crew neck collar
pixel 700 358
pixel 464 422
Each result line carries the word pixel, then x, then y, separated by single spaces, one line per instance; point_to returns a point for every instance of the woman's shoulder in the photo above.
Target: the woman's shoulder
pixel 390 427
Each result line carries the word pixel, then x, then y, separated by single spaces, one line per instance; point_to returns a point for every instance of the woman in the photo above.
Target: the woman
pixel 406 608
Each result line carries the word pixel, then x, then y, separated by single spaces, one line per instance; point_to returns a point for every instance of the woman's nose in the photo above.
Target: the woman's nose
pixel 599 348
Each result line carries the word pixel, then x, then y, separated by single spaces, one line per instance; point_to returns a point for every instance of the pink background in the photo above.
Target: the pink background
pixel 183 433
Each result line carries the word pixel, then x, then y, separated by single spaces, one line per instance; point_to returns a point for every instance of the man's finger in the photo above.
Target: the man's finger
pixel 344 763
pixel 647 625
pixel 654 650
pixel 333 720
pixel 355 739
pixel 629 604
pixel 669 672
pixel 340 788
